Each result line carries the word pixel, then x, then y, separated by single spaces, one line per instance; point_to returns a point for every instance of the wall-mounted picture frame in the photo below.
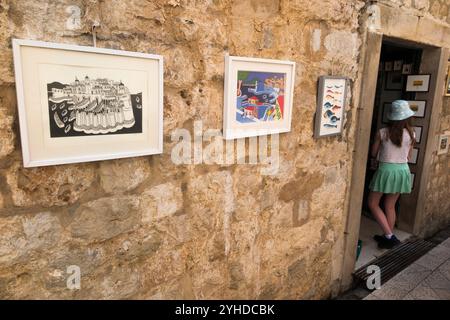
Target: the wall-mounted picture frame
pixel 413 178
pixel 414 156
pixel 397 65
pixel 419 107
pixel 388 65
pixel 443 143
pixel 394 81
pixel 418 83
pixel 79 104
pixel 447 86
pixel 418 132
pixel 407 68
pixel 331 97
pixel 258 96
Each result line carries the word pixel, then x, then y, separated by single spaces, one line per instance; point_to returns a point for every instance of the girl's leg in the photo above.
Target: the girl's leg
pixel 374 206
pixel 389 208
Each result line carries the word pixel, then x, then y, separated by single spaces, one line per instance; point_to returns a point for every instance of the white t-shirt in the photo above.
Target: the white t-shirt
pixel 392 153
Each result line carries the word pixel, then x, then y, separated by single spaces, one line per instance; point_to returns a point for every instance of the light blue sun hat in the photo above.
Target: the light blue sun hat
pixel 399 110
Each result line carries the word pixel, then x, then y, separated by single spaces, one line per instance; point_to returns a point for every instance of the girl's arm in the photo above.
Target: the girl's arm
pixel 376 146
pixel 412 146
pixel 374 152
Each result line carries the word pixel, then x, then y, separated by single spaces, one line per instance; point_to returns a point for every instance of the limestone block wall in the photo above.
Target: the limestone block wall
pixel 437 207
pixel 148 228
pixel 437 9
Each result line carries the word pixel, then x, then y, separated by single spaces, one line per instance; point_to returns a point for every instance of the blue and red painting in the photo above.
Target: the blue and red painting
pixel 260 96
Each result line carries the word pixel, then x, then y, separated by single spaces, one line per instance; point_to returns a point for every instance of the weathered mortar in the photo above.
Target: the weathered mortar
pixel 146 228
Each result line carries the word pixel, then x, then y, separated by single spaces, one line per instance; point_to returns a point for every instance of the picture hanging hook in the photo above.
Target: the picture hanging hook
pixel 94 33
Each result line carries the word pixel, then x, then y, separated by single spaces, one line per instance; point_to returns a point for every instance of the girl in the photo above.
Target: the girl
pixel 393 146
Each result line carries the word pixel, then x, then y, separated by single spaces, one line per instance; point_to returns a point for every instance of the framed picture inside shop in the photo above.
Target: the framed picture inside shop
pixel 418 83
pixel 394 81
pixel 418 106
pixel 418 132
pixel 79 104
pixel 330 108
pixel 414 156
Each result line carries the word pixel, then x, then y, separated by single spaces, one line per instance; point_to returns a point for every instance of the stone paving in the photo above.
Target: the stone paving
pixel 428 278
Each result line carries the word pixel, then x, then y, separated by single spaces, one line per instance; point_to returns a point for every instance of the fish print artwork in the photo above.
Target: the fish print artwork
pixel 260 96
pixel 330 106
pixel 93 106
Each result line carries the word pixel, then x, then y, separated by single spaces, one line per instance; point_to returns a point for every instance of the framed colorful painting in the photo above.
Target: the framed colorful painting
pixel 258 96
pixel 79 104
pixel 331 96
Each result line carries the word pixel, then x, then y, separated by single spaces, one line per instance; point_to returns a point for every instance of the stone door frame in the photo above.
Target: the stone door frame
pixel 423 35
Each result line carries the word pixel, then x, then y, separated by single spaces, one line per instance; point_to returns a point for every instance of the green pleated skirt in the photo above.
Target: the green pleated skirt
pixel 391 178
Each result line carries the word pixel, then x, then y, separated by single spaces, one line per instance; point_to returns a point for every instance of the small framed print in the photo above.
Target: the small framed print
pixel 414 156
pixel 79 104
pixel 330 106
pixel 418 83
pixel 407 68
pixel 418 132
pixel 413 178
pixel 418 106
pixel 398 65
pixel 443 144
pixel 258 96
pixel 394 81
pixel 447 83
pixel 388 65
pixel 385 109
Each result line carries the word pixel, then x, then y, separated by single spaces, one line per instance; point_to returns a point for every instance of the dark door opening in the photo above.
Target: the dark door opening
pixel 396 62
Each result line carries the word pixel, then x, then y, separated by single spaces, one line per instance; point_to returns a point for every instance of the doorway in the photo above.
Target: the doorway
pixel 396 62
pixel 433 62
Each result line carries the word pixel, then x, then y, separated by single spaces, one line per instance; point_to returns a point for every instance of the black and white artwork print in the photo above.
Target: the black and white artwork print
pixel 93 106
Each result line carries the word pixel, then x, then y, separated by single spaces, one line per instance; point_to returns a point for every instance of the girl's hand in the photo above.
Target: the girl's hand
pixel 373 164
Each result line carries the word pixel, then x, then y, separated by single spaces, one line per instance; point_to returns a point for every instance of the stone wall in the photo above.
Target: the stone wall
pixel 437 207
pixel 147 228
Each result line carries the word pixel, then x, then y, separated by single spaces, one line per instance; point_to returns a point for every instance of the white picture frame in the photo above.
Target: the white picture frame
pixel 418 132
pixel 407 68
pixel 258 96
pixel 419 107
pixel 413 178
pixel 67 120
pixel 418 83
pixel 330 109
pixel 414 156
pixel 443 144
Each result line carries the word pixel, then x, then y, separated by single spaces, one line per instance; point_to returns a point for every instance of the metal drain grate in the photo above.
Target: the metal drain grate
pixel 395 260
